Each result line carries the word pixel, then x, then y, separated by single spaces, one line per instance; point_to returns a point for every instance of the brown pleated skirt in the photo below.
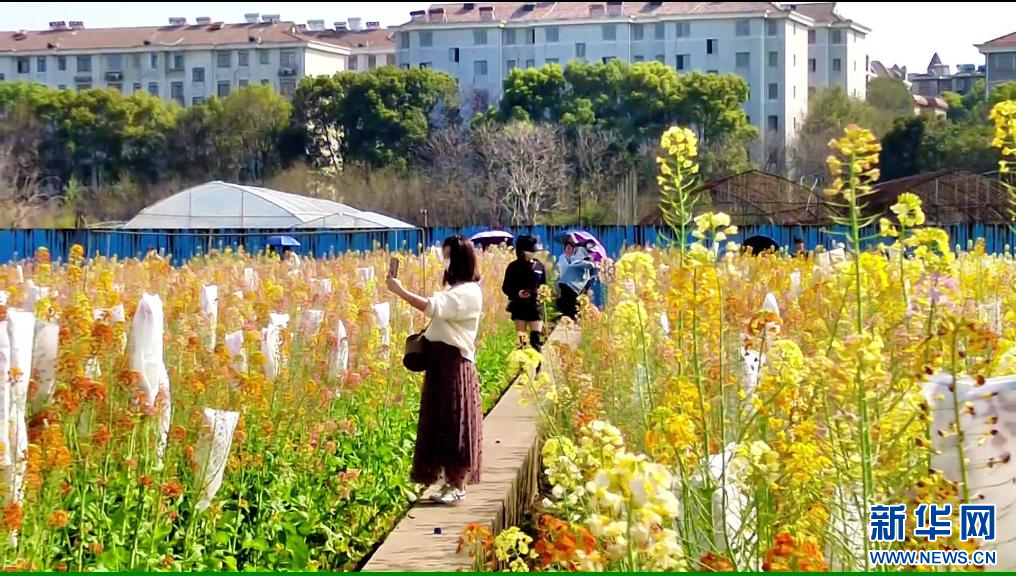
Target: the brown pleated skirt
pixel 449 435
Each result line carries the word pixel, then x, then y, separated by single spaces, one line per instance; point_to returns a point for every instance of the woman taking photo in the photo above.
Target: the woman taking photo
pixel 449 434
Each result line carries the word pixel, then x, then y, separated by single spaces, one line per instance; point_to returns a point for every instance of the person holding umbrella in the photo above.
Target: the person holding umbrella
pixel 522 281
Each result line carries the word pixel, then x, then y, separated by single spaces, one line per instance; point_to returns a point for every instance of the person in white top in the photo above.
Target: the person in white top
pixel 564 260
pixel 449 433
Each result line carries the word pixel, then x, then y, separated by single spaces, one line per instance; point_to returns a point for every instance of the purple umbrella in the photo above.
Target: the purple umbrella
pixel 583 238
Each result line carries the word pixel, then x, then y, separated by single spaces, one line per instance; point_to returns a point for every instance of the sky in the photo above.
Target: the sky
pixel 902 33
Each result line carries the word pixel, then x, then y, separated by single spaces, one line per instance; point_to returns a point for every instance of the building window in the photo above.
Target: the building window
pixel 639 58
pixel 774 59
pixel 717 72
pixel 682 62
pixel 178 61
pixel 453 55
pixel 530 63
pixel 480 37
pixel 580 49
pixel 712 46
pixel 552 60
pixel 287 86
pixel 812 65
pixel 265 57
pixel 837 37
pixel 404 41
pixel 683 29
pixel 243 58
pixel 242 83
pixel 390 59
pixel 371 62
pixel 480 68
pixel 24 65
pixel 426 39
pixel 40 64
pixel 197 75
pixel 742 59
pixel 426 65
pixel 660 30
pixel 114 63
pixel 354 62
pixel 774 91
pixel 136 61
pixel 531 36
pixel 153 88
pixel 811 36
pixel 609 32
pixel 137 87
pixel 511 65
pixel 773 123
pixel 743 28
pixel 1002 62
pixel 61 63
pixel 771 28
pixel 551 34
pixel 855 65
pixel 606 59
pixel 510 37
pixel 84 86
pixel 223 89
pixel 287 58
pixel 84 63
pixel 176 92
pixel 223 59
pixel 638 32
pixel 197 100
pixel 266 82
pixel 661 58
pixel 153 61
pixel 837 64
pixel 58 86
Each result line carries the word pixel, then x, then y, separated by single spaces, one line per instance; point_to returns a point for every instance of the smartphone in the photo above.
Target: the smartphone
pixel 393 268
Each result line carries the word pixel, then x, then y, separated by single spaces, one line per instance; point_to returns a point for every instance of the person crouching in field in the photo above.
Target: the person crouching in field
pixel 522 281
pixel 449 435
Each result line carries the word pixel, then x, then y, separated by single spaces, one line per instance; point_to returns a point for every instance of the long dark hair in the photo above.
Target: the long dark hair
pixel 462 267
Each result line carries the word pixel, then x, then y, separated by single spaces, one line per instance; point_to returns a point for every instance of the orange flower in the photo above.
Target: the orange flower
pixel 558 541
pixel 96 548
pixel 145 481
pixel 172 489
pixel 791 555
pixel 188 452
pixel 477 541
pixel 178 433
pixel 58 519
pixel 101 435
pixel 712 562
pixel 13 516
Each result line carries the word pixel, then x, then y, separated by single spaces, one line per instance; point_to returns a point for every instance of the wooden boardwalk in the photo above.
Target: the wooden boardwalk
pixel 427 538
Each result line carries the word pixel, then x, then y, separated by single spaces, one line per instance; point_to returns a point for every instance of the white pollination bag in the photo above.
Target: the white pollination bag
pixel 991 314
pixel 310 321
pixel 270 343
pixel 44 352
pixel 5 396
pixel 365 274
pixel 320 286
pixel 988 421
pixel 21 331
pixel 280 321
pixel 4 297
pixel 146 358
pixel 795 285
pixel 212 452
pixel 250 279
pixel 234 344
pixel 339 362
pixel 210 308
pixel 383 321
pixel 33 295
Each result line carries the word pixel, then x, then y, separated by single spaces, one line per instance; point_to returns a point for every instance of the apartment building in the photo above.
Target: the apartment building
pixel 1000 54
pixel 837 50
pixel 766 43
pixel 189 62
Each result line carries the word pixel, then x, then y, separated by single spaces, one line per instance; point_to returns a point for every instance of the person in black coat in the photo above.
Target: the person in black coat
pixel 522 281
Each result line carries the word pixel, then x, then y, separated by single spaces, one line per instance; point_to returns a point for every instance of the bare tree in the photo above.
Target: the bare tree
pixel 599 160
pixel 21 193
pixel 525 165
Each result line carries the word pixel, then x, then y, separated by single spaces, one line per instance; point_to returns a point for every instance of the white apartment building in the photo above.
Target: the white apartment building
pixel 766 43
pixel 1000 56
pixel 188 62
pixel 837 51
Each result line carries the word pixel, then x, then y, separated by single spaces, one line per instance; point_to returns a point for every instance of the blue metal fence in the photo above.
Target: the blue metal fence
pixel 183 245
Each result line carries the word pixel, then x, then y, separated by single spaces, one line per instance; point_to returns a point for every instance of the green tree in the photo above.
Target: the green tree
pixel 539 94
pixel 901 148
pixel 829 111
pixel 963 145
pixel 712 104
pixel 1001 93
pixel 890 98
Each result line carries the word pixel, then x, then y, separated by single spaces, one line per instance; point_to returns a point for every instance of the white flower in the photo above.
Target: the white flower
pixel 638 490
pixel 558 491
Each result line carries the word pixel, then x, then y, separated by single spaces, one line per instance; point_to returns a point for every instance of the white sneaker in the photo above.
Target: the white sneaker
pixel 448 494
